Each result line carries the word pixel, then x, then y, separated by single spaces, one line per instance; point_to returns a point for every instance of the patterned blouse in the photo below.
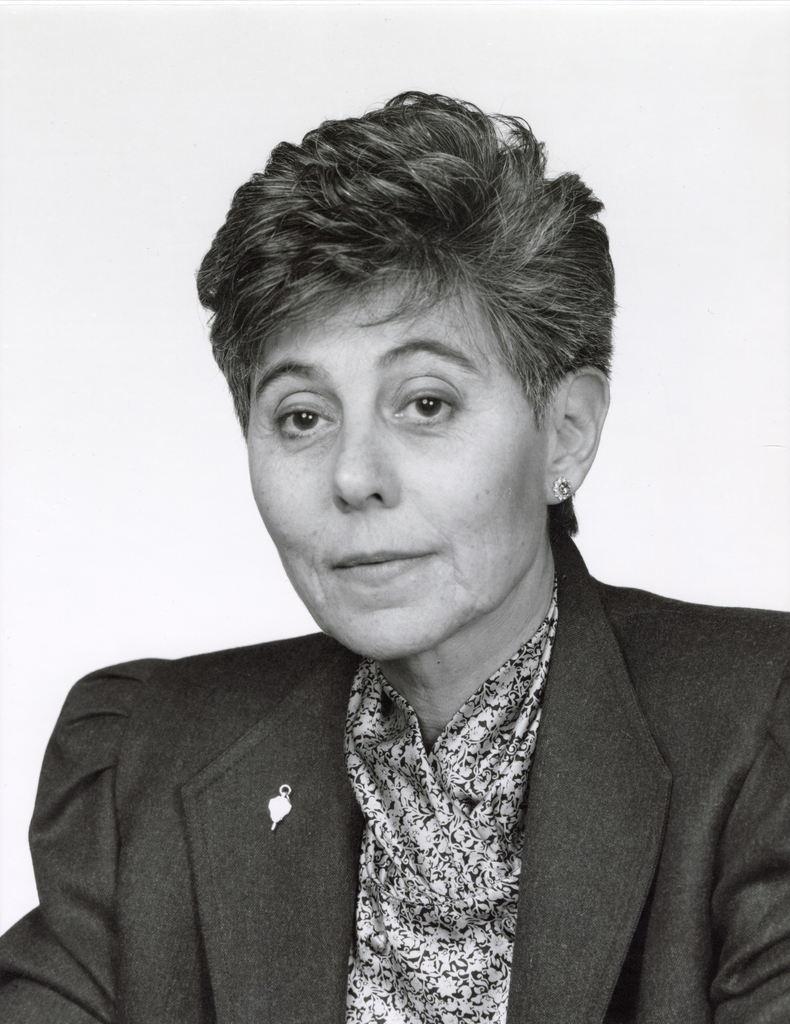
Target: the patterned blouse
pixel 440 859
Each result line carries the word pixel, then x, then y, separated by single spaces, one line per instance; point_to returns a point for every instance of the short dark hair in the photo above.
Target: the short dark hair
pixel 432 195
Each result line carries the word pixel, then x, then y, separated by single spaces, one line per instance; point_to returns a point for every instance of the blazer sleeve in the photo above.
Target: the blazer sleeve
pixel 57 963
pixel 751 900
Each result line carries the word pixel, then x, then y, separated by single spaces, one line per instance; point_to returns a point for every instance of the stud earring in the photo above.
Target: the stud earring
pixel 562 488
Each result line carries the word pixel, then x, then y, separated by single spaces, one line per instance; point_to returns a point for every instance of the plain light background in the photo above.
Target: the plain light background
pixel 128 529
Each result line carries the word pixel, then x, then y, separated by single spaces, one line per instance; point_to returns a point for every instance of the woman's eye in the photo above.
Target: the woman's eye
pixel 426 409
pixel 301 421
pixel 429 407
pixel 304 420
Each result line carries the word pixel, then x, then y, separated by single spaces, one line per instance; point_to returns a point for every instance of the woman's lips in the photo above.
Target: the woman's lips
pixel 374 557
pixel 380 566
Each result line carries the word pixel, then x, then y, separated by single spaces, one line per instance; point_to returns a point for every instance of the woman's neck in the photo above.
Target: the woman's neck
pixel 438 682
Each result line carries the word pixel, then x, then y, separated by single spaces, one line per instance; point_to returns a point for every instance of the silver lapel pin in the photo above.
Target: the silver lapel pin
pixel 280 805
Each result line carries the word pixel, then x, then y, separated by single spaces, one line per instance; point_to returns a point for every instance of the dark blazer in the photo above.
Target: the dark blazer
pixel 656 868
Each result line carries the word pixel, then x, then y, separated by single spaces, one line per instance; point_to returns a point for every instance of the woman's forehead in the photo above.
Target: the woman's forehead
pixel 387 318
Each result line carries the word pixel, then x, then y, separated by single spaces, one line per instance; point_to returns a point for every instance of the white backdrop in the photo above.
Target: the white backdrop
pixel 128 529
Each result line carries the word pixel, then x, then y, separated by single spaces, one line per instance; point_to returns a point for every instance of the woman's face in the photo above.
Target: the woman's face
pixel 399 471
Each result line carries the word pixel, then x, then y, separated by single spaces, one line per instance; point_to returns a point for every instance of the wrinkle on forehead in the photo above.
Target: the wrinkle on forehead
pixel 458 315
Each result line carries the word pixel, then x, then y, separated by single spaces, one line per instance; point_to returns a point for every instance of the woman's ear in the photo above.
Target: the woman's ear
pixel 574 422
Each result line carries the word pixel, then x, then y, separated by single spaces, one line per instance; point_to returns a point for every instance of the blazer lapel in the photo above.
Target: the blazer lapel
pixel 597 804
pixel 277 907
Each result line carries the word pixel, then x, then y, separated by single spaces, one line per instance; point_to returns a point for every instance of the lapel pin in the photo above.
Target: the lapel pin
pixel 280 805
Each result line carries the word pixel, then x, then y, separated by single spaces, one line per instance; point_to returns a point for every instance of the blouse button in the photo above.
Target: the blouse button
pixel 378 942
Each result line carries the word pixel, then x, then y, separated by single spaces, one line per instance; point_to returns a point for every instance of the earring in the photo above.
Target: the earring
pixel 562 488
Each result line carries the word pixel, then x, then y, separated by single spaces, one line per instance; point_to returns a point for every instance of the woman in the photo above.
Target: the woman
pixel 492 788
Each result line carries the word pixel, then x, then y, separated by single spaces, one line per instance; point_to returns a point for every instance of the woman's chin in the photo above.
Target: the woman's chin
pixel 388 634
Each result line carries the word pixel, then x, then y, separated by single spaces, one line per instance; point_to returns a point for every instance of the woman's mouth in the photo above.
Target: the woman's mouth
pixel 376 557
pixel 379 566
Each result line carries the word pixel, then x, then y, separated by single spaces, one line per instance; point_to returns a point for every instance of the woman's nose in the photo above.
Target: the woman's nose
pixel 364 475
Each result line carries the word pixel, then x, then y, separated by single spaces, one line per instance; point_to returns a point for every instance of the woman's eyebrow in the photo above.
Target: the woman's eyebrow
pixel 286 368
pixel 432 347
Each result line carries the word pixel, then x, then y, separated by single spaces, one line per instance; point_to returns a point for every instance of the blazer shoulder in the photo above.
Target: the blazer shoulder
pixel 188 708
pixel 709 679
pixel 707 630
pixel 255 668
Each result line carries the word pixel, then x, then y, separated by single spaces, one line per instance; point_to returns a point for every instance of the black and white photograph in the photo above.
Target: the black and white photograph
pixel 394 513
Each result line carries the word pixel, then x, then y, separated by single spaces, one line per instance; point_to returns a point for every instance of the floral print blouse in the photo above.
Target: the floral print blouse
pixel 440 859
